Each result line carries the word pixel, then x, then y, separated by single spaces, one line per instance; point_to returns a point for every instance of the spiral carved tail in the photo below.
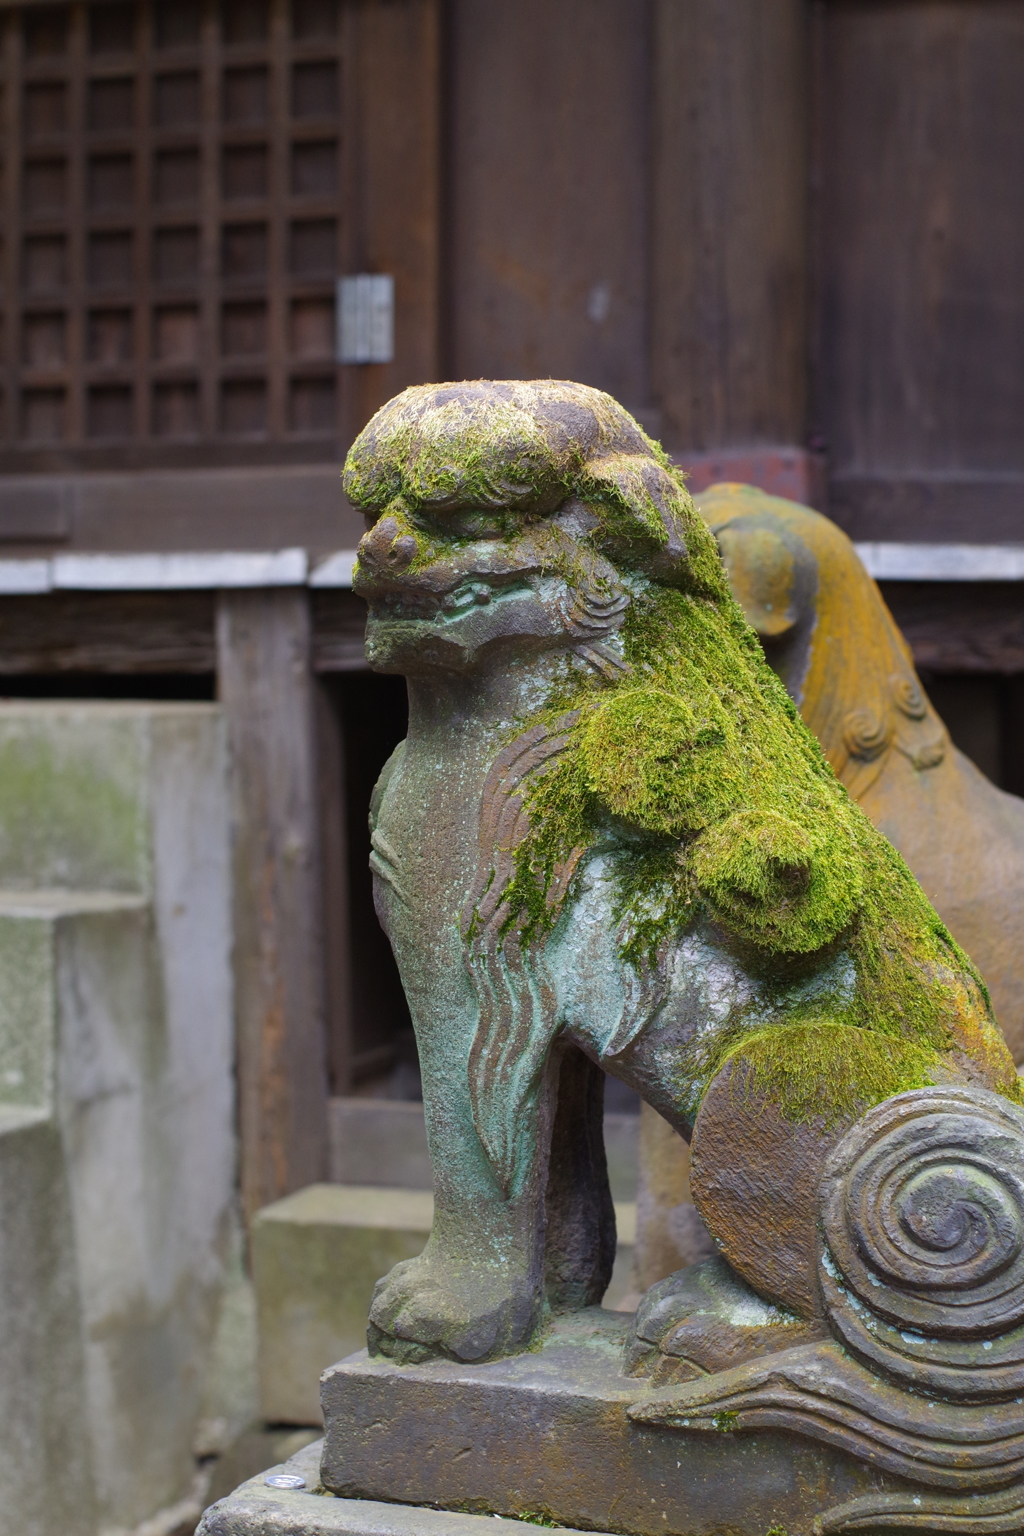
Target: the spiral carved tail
pixel 922 1265
pixel 922 1277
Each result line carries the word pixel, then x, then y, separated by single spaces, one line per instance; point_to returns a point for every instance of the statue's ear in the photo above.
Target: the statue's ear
pixel 762 574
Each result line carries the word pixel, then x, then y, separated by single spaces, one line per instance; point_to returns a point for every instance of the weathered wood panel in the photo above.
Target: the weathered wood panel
pixel 951 507
pixel 392 113
pixel 730 159
pixel 920 251
pixel 266 686
pixel 124 632
pixel 960 626
pixel 549 192
pixel 339 626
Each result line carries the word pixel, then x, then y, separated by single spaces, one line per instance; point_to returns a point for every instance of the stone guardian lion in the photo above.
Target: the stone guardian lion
pixel 609 842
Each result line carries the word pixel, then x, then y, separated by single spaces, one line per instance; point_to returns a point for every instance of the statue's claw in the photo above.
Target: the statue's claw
pixel 705 1319
pixel 423 1309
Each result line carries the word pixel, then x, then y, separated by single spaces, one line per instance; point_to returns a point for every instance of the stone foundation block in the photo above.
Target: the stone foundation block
pixel 316 1257
pixel 116 1104
pixel 545 1436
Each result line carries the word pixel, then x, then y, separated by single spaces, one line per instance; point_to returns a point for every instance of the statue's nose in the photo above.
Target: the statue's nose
pixel 387 549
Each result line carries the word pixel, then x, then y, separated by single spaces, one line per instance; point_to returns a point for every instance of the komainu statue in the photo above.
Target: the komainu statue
pixel 610 841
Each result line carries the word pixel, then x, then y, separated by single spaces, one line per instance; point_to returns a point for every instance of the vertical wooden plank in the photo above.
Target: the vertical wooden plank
pixel 210 87
pixel 278 63
pixel 728 318
pixel 921 246
pixel 335 886
pixel 142 316
pixel 390 206
pixel 76 287
pixel 10 194
pixel 267 690
pixel 549 192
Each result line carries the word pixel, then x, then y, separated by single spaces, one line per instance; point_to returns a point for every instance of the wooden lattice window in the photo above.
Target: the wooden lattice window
pixel 171 234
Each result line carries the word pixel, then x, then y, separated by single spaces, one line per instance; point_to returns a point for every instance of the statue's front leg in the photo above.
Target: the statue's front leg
pixel 476 1291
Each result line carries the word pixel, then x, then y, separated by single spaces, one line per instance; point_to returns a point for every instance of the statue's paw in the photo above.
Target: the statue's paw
pixel 424 1309
pixel 704 1319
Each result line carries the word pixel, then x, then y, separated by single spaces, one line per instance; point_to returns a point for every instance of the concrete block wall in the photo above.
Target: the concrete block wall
pixel 117 1156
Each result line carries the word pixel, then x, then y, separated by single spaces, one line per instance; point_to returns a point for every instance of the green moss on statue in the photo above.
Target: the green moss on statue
pixel 820 1071
pixel 729 810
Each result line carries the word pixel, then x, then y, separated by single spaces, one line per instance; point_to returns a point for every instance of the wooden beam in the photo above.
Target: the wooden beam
pixel 330 743
pixel 266 686
pixel 125 632
pixel 729 209
pixel 960 626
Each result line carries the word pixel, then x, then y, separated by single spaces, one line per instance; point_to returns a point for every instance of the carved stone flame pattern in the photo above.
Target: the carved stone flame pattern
pixel 922 1213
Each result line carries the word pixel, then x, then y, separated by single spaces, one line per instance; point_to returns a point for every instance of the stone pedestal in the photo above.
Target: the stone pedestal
pixel 255 1509
pixel 542 1438
pixel 545 1436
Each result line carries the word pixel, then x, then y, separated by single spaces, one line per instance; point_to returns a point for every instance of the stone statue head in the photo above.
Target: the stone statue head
pixel 506 515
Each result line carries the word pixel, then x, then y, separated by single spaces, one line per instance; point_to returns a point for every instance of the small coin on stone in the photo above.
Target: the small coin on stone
pixel 285 1480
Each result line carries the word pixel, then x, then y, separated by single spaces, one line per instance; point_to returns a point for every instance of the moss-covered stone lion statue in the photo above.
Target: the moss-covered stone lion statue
pixel 610 842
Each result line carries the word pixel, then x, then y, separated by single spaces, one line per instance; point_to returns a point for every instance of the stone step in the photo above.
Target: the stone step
pixel 116 1104
pixel 40 932
pixel 316 1257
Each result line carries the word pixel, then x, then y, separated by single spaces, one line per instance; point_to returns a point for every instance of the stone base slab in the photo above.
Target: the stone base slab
pixel 544 1436
pixel 256 1510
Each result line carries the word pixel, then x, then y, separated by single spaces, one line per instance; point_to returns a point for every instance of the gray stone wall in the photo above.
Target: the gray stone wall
pixel 117 1156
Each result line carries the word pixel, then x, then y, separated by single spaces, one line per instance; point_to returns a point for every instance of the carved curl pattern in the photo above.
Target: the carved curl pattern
pixel 922 1218
pixel 922 1272
pixel 909 697
pixel 866 734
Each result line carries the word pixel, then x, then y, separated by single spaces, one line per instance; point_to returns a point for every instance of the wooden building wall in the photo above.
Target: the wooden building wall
pixel 785 233
pixel 919 348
